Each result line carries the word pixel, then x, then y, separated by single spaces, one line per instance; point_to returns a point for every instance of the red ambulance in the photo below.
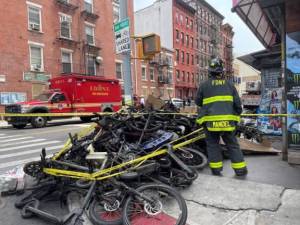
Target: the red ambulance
pixel 69 94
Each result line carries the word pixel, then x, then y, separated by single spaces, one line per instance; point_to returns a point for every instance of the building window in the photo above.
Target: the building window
pixel 88 6
pixel 188 77
pixel 119 72
pixel 34 18
pixel 187 58
pixel 193 60
pixel 170 76
pixel 90 34
pixel 36 58
pixel 187 21
pixel 197 44
pixel 65 26
pixel 182 38
pixel 177 35
pixel 144 74
pixel 66 60
pixel 193 77
pixel 187 40
pixel 116 11
pixel 144 91
pixel 177 17
pixel 197 59
pixel 182 57
pixel 177 75
pixel 91 65
pixel 183 76
pixel 181 19
pixel 191 24
pixel 177 55
pixel 151 74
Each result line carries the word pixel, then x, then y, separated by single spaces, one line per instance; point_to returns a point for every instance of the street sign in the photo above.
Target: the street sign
pixel 122 36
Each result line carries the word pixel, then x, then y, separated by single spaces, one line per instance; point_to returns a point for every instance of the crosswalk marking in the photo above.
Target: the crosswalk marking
pixel 26 146
pixel 19 162
pixel 12 136
pixel 23 142
pixel 14 139
pixel 18 149
pixel 57 147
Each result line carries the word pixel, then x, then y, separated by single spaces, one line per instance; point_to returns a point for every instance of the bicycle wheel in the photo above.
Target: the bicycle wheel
pixel 106 213
pixel 167 206
pixel 192 158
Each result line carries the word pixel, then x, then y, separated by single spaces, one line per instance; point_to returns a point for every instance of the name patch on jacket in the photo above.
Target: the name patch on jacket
pixel 221 124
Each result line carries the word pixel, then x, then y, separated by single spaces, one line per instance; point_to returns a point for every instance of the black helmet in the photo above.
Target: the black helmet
pixel 216 67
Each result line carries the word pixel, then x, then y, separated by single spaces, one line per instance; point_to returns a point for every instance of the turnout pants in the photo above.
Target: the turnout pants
pixel 214 149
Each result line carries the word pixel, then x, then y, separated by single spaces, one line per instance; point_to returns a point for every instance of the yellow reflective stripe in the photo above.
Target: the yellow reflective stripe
pixel 220 98
pixel 216 165
pixel 218 118
pixel 221 128
pixel 238 165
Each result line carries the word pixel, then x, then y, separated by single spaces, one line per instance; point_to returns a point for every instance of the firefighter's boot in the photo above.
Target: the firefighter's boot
pixel 241 172
pixel 216 172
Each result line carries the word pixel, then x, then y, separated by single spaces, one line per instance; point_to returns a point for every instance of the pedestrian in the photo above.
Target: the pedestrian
pixel 189 101
pixel 220 111
pixel 142 102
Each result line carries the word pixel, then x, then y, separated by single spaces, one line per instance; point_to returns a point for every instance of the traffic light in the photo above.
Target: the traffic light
pixel 151 44
pixel 148 46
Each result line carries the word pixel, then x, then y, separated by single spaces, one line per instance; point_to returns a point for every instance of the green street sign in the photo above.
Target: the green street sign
pixel 121 25
pixel 122 36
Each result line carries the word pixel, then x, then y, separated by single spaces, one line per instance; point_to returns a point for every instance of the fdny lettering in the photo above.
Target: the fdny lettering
pixel 218 82
pixel 221 124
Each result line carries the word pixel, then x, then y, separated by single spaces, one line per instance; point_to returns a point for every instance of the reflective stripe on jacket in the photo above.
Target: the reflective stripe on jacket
pixel 220 105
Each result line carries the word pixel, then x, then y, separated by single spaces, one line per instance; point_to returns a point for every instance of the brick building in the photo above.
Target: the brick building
pixel 184 41
pixel 194 30
pixel 40 39
pixel 173 20
pixel 226 49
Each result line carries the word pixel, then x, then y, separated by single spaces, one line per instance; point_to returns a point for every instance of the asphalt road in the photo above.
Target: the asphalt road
pixel 20 146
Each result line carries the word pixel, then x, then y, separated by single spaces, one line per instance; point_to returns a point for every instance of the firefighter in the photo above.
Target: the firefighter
pixel 219 114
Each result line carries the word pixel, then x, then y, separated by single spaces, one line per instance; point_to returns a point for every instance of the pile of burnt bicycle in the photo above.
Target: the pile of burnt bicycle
pixel 126 168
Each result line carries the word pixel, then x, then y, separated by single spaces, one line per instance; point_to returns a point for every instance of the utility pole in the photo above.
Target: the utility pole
pixel 126 58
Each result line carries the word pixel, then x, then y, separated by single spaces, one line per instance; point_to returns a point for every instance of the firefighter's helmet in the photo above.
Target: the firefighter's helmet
pixel 216 67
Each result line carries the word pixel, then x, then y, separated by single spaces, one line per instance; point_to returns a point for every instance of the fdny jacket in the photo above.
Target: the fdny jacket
pixel 220 105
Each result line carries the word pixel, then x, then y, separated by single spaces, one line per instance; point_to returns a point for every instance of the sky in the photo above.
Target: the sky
pixel 244 40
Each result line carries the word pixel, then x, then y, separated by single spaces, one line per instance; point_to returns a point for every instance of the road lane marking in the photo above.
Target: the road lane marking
pixel 23 142
pixel 19 162
pixel 57 147
pixel 77 125
pixel 12 136
pixel 15 139
pixel 26 146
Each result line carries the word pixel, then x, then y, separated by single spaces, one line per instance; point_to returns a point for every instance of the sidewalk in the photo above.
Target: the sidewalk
pixel 228 201
pixel 215 201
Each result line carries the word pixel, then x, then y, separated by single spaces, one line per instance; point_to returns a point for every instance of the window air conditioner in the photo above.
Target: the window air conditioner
pixel 34 26
pixel 36 67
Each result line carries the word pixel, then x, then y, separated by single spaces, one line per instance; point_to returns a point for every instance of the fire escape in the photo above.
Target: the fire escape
pixel 162 63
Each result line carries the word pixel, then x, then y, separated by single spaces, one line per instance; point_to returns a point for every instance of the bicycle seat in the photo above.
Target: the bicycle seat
pixel 129 176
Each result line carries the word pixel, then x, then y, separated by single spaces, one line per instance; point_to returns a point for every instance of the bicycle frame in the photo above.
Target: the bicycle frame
pixel 108 173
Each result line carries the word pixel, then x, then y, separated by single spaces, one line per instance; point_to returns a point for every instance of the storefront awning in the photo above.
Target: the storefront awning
pixel 253 13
